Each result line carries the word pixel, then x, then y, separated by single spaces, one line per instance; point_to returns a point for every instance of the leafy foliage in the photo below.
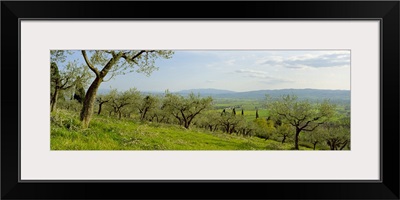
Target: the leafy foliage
pixel 186 109
pixel 119 100
pixel 285 132
pixel 302 115
pixel 110 63
pixel 65 79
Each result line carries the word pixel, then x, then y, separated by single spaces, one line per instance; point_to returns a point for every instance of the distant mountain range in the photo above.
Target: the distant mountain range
pixel 311 94
pixel 342 96
pixel 208 91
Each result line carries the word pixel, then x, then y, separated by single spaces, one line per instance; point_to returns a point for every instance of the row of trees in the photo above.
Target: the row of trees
pixel 333 134
pixel 169 108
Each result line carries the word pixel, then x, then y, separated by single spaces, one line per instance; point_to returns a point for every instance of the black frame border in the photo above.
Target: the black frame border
pixel 386 11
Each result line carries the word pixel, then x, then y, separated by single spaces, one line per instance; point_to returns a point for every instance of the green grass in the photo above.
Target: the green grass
pixel 105 133
pixel 249 106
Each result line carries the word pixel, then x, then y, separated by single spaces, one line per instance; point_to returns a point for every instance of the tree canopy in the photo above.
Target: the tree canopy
pixel 110 63
pixel 302 115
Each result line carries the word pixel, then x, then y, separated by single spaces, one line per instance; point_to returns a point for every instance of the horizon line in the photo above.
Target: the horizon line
pixel 185 90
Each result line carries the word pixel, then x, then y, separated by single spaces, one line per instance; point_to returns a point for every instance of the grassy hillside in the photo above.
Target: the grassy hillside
pixel 107 133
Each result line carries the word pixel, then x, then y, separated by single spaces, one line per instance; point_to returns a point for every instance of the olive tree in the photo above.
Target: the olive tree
pixel 302 115
pixel 316 137
pixel 82 82
pixel 63 79
pixel 110 63
pixel 264 128
pixel 230 122
pixel 147 105
pixel 246 128
pixel 210 121
pixel 119 100
pixel 185 109
pixel 101 100
pixel 337 136
pixel 285 131
pixel 160 113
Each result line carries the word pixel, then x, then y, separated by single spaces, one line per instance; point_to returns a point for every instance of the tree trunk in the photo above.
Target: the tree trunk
pixel 119 114
pixel 227 127
pixel 98 113
pixel 332 146
pixel 215 128
pixel 144 114
pixel 296 139
pixel 315 144
pixel 283 140
pixel 88 104
pixel 54 100
pixel 187 124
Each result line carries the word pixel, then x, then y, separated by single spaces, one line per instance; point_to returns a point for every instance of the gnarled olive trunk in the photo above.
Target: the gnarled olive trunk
pixel 186 123
pixel 99 112
pixel 88 104
pixel 296 139
pixel 54 100
pixel 143 114
pixel 119 114
pixel 100 106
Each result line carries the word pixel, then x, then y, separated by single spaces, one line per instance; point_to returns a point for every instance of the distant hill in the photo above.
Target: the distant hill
pixel 208 91
pixel 337 96
pixel 311 94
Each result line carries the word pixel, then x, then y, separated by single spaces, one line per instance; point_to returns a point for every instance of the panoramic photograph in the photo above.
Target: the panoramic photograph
pixel 200 100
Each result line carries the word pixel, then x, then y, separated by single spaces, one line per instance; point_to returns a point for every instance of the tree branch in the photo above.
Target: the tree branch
pixel 313 120
pixel 344 144
pixel 65 88
pixel 65 82
pixel 110 64
pixel 110 52
pixel 91 67
pixel 112 76
pixel 313 127
pixel 125 56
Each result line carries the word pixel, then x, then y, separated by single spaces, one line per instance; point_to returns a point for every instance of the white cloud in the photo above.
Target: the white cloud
pixel 309 60
pixel 250 71
pixel 263 76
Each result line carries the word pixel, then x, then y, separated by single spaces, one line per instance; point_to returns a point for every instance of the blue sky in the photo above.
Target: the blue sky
pixel 241 71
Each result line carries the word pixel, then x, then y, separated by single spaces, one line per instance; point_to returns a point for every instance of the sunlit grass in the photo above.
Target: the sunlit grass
pixel 109 133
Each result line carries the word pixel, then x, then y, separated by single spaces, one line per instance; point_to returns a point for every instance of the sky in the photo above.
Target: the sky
pixel 240 71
